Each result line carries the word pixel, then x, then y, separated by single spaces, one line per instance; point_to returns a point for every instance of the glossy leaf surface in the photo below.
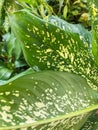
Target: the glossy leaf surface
pixel 84 34
pixel 45 100
pixel 49 100
pixel 48 46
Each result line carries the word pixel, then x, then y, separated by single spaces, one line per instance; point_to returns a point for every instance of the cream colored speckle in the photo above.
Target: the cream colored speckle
pixel 7 93
pixel 27 47
pixel 40 104
pixel 27 36
pixel 6 108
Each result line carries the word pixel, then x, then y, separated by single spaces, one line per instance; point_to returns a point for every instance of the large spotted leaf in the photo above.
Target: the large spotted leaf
pixel 46 100
pixel 49 46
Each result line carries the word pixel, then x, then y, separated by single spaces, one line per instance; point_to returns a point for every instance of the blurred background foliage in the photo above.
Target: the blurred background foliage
pixel 74 11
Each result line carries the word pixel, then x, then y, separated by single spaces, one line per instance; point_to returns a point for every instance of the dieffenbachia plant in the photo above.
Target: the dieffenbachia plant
pixel 46 100
pixel 50 99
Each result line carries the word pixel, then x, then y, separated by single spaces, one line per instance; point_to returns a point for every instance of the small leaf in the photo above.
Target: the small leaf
pixel 46 100
pixel 65 11
pixel 5 73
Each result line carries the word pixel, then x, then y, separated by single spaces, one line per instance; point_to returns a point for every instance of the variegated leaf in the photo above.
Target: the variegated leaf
pixel 46 100
pixel 48 46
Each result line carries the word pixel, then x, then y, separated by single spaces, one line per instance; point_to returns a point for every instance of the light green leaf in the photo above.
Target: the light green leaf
pixel 48 46
pixel 46 100
pixel 30 2
pixel 65 11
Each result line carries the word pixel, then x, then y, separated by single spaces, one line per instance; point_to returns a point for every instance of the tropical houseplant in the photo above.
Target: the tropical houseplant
pixel 48 73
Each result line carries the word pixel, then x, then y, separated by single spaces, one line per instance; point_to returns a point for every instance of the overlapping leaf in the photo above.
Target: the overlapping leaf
pixel 50 100
pixel 46 100
pixel 92 122
pixel 48 46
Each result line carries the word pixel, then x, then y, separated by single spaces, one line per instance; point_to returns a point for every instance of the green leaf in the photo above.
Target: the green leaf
pixel 3 78
pixel 84 34
pixel 94 13
pixel 1 6
pixel 92 122
pixel 12 46
pixel 46 100
pixel 5 73
pixel 65 11
pixel 48 46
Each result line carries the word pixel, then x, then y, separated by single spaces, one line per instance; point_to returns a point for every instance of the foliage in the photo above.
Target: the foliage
pixel 43 100
pixel 94 10
pixel 75 11
pixel 37 44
